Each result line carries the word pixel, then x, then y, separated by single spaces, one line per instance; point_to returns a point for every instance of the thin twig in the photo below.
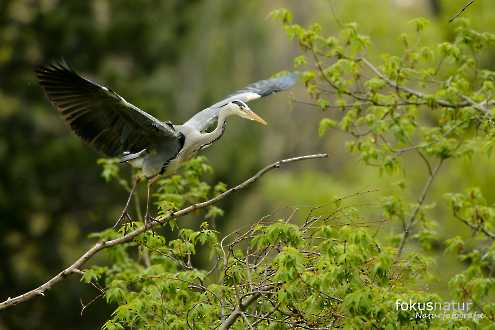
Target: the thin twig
pixel 459 13
pixel 75 267
pixel 101 294
pixel 479 228
pixel 335 17
pixel 412 218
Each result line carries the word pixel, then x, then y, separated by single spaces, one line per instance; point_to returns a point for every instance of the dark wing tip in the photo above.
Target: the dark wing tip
pixel 58 66
pixel 274 85
pixel 55 74
pixel 286 81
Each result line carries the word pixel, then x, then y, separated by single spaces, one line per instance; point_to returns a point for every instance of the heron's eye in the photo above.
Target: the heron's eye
pixel 240 104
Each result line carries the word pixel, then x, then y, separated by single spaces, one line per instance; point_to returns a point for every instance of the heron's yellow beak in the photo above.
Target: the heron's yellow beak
pixel 255 117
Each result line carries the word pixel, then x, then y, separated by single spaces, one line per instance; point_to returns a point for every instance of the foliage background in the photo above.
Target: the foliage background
pixel 172 59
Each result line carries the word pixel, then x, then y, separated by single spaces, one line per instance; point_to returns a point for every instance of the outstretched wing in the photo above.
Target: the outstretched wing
pixel 100 116
pixel 203 119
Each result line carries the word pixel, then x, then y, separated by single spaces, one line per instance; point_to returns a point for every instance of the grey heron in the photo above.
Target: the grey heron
pixel 117 128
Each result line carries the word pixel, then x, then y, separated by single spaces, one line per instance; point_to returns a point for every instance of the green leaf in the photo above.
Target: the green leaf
pixel 420 23
pixel 325 124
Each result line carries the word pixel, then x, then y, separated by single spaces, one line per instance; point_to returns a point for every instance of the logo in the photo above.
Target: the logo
pixel 439 310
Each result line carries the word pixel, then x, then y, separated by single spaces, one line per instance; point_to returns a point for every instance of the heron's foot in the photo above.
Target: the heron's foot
pixel 125 220
pixel 148 221
pixel 124 217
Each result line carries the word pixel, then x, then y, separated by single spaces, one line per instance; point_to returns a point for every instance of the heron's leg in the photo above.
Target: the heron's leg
pixel 147 203
pixel 148 195
pixel 125 213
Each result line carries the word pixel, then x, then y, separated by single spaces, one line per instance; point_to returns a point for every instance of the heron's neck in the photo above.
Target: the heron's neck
pixel 211 137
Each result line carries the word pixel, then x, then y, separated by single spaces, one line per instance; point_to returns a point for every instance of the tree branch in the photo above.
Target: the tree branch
pixel 75 267
pixel 467 101
pixel 459 13
pixel 238 311
pixel 479 228
pixel 412 218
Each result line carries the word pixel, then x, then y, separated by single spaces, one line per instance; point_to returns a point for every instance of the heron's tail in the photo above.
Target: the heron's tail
pixel 127 156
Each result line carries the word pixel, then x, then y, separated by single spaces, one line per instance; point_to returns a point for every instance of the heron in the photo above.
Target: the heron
pixel 117 128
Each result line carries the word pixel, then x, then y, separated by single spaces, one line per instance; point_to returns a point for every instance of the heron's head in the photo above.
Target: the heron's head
pixel 242 110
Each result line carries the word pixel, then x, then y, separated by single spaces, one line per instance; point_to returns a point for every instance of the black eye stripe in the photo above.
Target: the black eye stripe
pixel 239 103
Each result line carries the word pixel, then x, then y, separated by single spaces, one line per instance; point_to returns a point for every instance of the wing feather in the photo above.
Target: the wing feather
pixel 100 116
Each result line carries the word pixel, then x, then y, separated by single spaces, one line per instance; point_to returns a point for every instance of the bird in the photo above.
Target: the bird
pixel 117 128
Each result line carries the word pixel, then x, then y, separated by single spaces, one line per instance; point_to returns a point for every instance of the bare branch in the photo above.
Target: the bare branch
pixel 238 311
pixel 412 218
pixel 100 294
pixel 75 267
pixel 459 13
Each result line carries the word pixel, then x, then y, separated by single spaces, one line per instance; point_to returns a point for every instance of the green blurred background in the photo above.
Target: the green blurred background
pixel 172 58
